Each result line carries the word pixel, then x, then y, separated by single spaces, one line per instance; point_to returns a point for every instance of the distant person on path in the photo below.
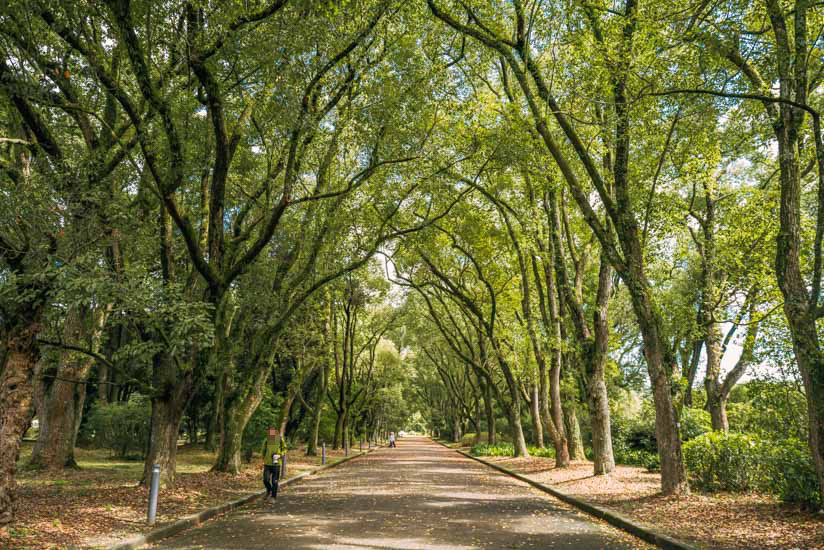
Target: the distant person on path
pixel 392 439
pixel 273 449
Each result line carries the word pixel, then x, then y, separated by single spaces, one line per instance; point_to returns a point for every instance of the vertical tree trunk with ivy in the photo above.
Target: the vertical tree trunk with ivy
pixel 20 357
pixel 62 391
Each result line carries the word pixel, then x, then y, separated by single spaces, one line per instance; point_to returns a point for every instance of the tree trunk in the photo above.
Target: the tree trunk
pixel 173 390
pixel 60 416
pixel 166 418
pixel 477 439
pixel 238 409
pixel 543 403
pixel 337 441
pixel 21 356
pixel 317 412
pixel 673 472
pixel 537 425
pixel 602 457
pixel 457 435
pixel 716 402
pixel 489 410
pixel 556 417
pixel 102 383
pixel 561 444
pixel 216 421
pixel 347 441
pixel 62 398
pixel 518 439
pixel 514 410
pixel 576 442
pixel 286 409
pixel 811 365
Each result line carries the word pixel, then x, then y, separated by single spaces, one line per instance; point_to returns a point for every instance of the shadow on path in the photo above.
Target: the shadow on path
pixel 419 495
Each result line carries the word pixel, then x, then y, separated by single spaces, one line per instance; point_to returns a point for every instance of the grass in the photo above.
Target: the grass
pixel 101 501
pixel 190 460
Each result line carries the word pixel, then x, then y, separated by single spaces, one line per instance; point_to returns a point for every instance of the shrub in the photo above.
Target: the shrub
pixel 726 461
pixel 121 428
pixel 546 452
pixel 633 457
pixel 652 462
pixel 741 462
pixel 694 423
pixel 506 449
pixel 792 474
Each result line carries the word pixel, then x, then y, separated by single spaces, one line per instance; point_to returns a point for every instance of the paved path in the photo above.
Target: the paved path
pixel 419 495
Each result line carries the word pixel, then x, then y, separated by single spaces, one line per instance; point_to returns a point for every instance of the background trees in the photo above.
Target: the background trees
pixel 496 216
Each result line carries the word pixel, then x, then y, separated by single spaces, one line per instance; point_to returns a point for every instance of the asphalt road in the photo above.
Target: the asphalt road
pixel 418 495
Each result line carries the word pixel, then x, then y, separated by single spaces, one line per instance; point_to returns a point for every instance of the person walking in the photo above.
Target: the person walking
pixel 392 439
pixel 273 450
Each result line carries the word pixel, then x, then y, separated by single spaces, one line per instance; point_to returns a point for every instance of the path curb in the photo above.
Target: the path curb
pixel 193 520
pixel 613 518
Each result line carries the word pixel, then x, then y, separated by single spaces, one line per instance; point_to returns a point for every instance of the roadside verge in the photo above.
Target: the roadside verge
pixel 612 517
pixel 193 520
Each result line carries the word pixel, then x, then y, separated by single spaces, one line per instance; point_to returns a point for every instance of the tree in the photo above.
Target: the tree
pixel 623 246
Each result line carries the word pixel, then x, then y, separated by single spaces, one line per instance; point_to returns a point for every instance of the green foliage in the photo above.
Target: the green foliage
pixel 694 423
pixel 122 428
pixel 638 433
pixel 484 449
pixel 743 462
pixel 770 409
pixel 792 476
pixel 506 449
pixel 546 452
pixel 652 462
pixel 726 462
pixel 633 436
pixel 256 429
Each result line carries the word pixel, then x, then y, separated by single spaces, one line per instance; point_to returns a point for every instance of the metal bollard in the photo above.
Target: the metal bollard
pixel 323 453
pixel 153 489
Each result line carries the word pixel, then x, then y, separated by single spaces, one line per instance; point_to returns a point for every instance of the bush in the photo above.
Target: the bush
pixel 546 452
pixel 483 449
pixel 121 428
pixel 740 462
pixel 652 462
pixel 726 461
pixel 694 423
pixel 506 449
pixel 792 476
pixel 633 457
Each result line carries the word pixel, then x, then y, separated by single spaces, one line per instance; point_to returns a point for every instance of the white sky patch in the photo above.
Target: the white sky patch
pixel 739 167
pixel 771 150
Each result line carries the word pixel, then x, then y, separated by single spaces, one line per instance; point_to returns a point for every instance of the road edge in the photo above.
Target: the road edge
pixel 193 520
pixel 612 517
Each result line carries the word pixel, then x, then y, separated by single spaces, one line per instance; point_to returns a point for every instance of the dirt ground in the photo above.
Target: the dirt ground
pixel 101 502
pixel 419 495
pixel 728 521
